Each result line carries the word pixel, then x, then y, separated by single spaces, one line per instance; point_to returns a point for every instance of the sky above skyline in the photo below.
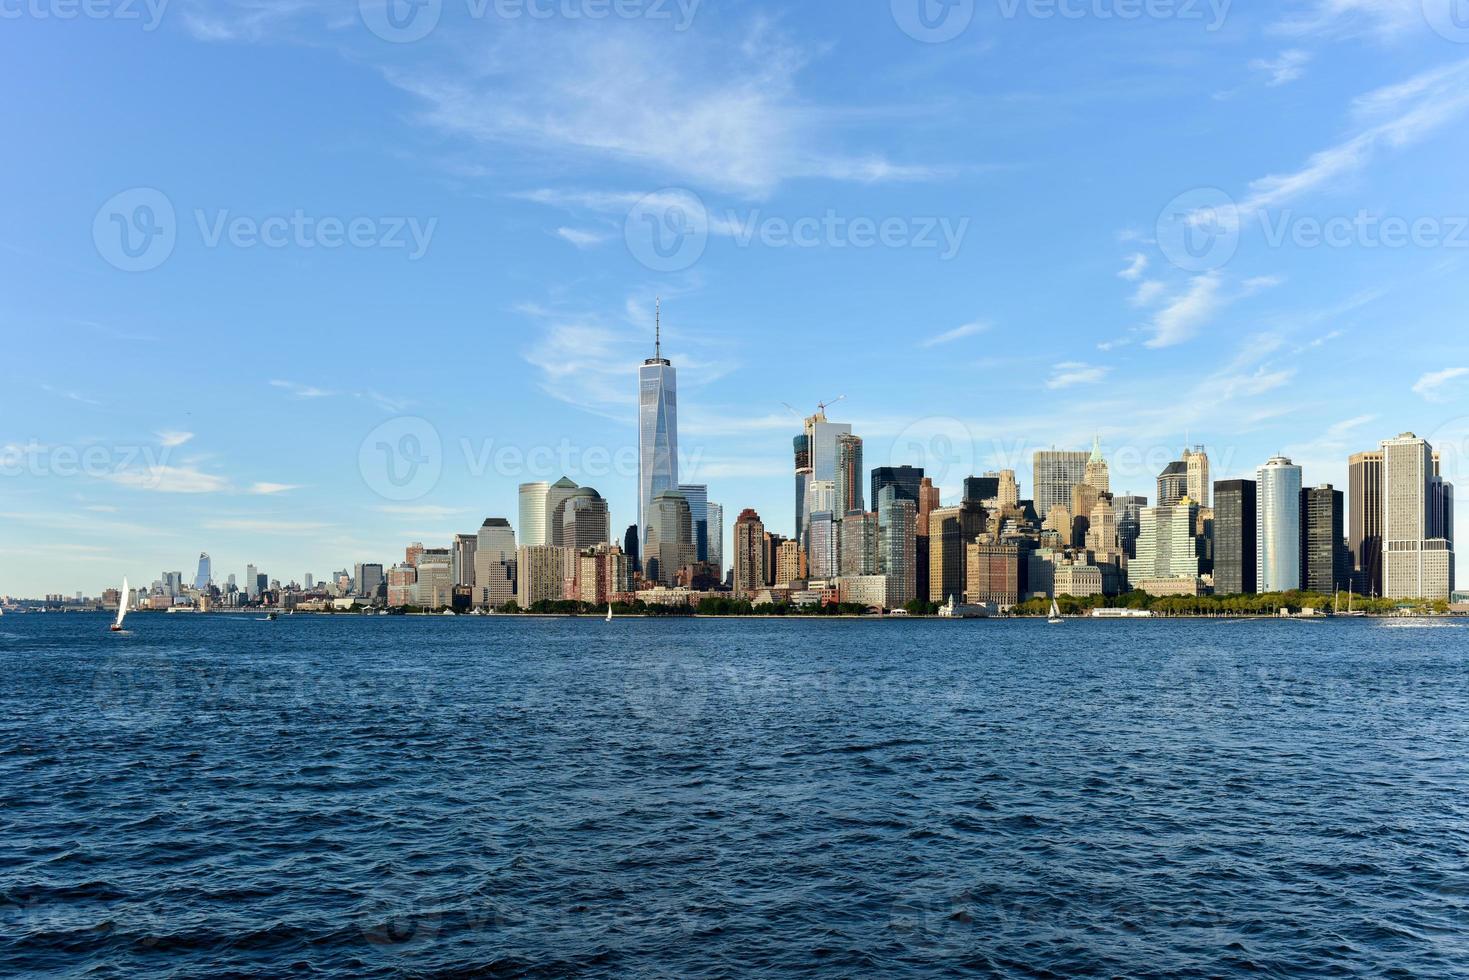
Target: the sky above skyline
pixel 297 283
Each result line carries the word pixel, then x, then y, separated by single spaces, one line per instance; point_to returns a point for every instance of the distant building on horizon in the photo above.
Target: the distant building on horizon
pixel 1054 474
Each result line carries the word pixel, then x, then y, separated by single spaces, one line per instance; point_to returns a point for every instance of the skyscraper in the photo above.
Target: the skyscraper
pixel 1234 537
pixel 897 519
pixel 823 550
pixel 716 538
pixel 669 537
pixel 495 559
pixel 582 520
pixel 205 575
pixel 905 480
pixel 1196 465
pixel 657 430
pixel 698 497
pixel 1053 475
pixel 1415 564
pixel 630 547
pixel 461 552
pixel 1324 561
pixel 1173 483
pixel 1278 526
pixel 749 553
pixel 978 489
pixel 535 515
pixel 1097 473
pixel 559 493
pixel 859 555
pixel 1129 521
pixel 802 445
pixel 1364 505
pixel 849 474
pixel 252 587
pixel 1167 544
pixel 369 578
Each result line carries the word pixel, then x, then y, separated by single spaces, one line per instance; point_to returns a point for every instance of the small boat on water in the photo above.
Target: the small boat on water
pixel 122 608
pixel 1055 618
pixel 609 612
pixel 267 618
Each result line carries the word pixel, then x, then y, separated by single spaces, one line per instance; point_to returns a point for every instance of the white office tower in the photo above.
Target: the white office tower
pixel 1278 526
pixel 535 515
pixel 1416 564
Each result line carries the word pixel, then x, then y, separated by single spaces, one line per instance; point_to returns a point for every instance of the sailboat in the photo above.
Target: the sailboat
pixel 1055 616
pixel 122 608
pixel 609 612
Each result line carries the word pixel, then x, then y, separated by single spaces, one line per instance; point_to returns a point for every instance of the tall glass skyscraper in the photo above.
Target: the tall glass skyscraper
pixel 1278 526
pixel 657 430
pixel 698 497
pixel 535 517
pixel 205 575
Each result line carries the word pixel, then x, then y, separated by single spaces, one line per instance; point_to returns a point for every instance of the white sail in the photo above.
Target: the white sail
pixel 122 603
pixel 609 612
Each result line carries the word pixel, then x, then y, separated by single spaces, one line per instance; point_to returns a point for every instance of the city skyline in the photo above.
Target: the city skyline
pixel 238 392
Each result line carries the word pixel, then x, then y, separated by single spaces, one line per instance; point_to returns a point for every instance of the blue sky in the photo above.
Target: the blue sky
pixel 1004 230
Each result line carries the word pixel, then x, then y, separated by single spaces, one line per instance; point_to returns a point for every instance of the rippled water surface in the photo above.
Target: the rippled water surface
pixel 382 797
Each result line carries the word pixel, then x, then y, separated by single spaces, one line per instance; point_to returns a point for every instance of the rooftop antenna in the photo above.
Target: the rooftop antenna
pixel 658 329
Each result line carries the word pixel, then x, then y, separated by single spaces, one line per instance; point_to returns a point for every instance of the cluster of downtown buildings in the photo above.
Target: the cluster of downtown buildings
pixel 883 539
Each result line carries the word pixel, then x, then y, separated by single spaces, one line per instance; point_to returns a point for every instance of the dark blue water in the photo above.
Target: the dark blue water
pixel 383 797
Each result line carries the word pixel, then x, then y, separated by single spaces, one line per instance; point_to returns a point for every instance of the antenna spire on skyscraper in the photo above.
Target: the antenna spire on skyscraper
pixel 658 328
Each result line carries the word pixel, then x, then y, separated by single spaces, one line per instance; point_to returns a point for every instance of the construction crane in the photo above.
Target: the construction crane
pixel 821 407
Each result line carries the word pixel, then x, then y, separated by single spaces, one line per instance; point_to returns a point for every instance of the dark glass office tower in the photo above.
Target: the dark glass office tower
pixel 1324 556
pixel 1234 537
pixel 904 479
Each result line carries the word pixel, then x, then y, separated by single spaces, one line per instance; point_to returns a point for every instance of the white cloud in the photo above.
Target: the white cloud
pixel 1288 66
pixel 1068 374
pixel 581 238
pixel 958 333
pixel 1432 385
pixel 1137 264
pixel 302 391
pixel 170 438
pixel 1147 292
pixel 271 489
pixel 170 479
pixel 1390 117
pixel 1181 319
pixel 1354 18
pixel 690 109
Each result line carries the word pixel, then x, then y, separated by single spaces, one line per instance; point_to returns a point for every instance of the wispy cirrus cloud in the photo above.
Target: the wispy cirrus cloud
pixel 1284 68
pixel 163 478
pixel 958 333
pixel 699 111
pixel 1069 374
pixel 1390 117
pixel 1182 317
pixel 272 489
pixel 1437 386
pixel 171 438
